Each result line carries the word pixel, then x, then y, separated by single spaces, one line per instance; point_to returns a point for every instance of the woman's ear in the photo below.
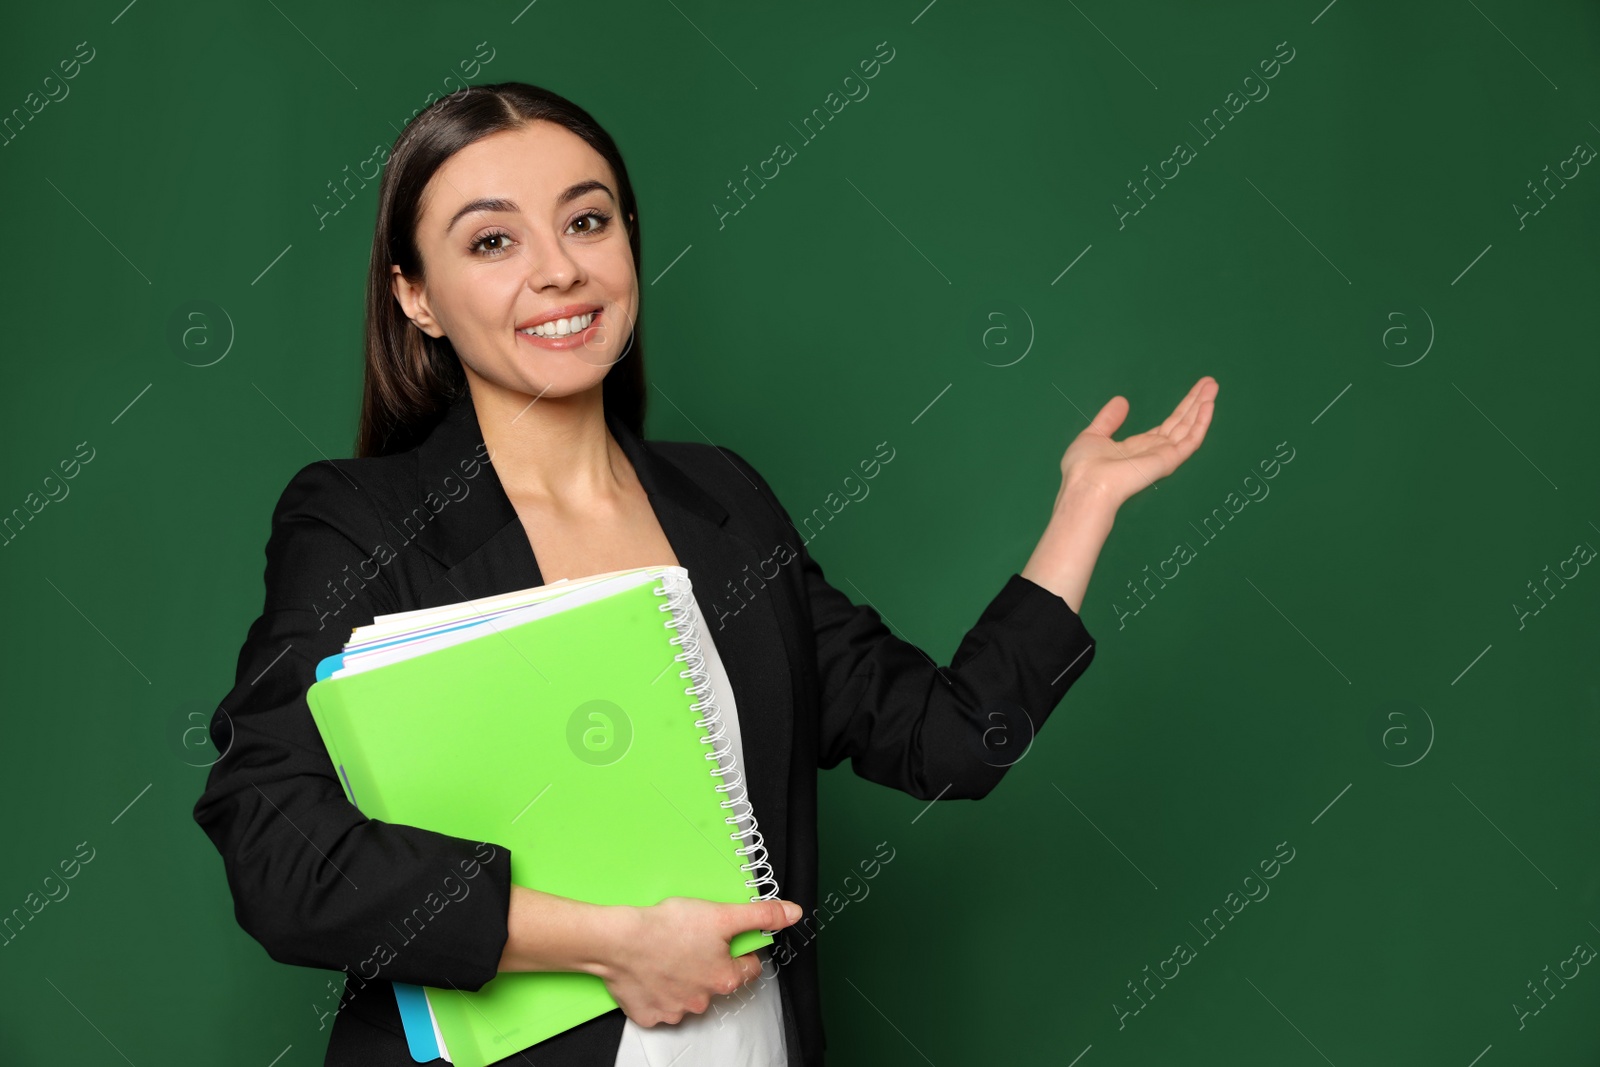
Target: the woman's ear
pixel 413 298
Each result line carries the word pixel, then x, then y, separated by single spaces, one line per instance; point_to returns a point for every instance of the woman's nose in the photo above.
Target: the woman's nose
pixel 549 263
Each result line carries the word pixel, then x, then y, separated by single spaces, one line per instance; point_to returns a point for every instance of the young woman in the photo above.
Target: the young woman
pixel 501 446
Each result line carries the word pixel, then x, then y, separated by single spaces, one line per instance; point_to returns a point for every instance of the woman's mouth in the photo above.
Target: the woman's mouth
pixel 574 332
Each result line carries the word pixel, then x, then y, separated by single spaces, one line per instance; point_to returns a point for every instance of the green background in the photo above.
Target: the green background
pixel 904 279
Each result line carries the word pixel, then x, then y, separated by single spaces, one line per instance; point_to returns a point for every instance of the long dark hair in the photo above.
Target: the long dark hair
pixel 411 378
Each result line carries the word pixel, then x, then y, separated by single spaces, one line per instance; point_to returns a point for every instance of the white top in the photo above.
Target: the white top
pixel 739 1029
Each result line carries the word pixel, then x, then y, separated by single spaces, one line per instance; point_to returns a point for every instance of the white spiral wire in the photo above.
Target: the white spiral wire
pixel 685 622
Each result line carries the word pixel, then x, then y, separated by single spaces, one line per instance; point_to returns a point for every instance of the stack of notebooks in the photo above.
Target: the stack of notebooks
pixel 575 724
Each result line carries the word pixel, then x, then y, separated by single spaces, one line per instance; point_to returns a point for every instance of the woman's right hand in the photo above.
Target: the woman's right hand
pixel 673 956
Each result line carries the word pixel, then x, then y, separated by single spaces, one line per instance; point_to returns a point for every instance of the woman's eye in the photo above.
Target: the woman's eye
pixel 478 245
pixel 597 221
pixel 495 244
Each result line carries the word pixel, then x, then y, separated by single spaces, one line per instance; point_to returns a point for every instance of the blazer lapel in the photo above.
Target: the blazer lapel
pixel 473 531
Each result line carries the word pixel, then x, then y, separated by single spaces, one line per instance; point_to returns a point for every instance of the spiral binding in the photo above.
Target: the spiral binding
pixel 680 601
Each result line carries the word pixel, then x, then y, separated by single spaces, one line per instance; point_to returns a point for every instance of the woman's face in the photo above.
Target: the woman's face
pixel 521 228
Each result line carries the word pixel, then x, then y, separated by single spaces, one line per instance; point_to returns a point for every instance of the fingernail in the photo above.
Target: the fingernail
pixel 791 911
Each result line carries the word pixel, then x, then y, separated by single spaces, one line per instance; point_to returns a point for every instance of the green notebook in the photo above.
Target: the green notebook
pixel 574 724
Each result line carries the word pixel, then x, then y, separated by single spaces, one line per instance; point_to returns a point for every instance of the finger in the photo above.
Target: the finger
pixel 1109 417
pixel 1184 446
pixel 1170 425
pixel 1181 425
pixel 1203 389
pixel 1171 452
pixel 759 915
pixel 1205 402
pixel 1178 411
pixel 749 967
pixel 1176 415
pixel 1203 392
pixel 1197 432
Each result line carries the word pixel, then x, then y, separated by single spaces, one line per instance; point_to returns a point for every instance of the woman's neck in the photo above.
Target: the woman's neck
pixel 554 450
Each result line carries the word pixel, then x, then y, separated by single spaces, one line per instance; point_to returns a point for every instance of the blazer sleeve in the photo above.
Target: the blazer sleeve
pixel 315 882
pixel 936 731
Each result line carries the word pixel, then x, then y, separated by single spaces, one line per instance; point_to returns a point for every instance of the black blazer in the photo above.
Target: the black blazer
pixel 816 678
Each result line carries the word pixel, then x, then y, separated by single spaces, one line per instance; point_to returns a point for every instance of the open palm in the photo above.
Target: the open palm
pixel 1120 469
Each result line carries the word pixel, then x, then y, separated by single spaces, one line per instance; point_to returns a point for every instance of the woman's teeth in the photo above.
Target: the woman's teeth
pixel 561 327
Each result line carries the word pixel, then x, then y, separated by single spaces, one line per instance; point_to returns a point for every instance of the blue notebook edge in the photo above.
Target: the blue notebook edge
pixel 325 668
pixel 411 999
pixel 418 1022
pixel 328 664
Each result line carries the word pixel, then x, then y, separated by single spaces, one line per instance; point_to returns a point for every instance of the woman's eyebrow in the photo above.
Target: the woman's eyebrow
pixel 500 204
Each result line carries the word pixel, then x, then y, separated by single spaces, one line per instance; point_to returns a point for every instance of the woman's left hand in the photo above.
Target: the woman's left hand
pixel 1116 470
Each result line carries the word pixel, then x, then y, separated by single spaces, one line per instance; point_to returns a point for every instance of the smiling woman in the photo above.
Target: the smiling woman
pixel 502 319
pixel 503 311
pixel 481 308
